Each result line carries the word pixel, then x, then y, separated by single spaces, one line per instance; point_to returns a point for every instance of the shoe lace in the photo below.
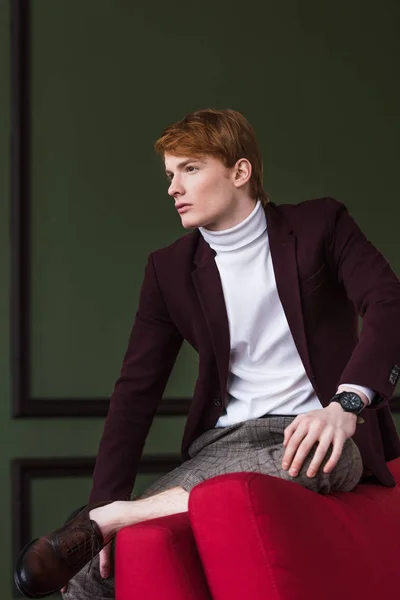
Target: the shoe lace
pixel 92 543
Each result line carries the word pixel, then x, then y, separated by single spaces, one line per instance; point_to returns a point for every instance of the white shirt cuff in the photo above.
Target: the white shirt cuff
pixel 366 390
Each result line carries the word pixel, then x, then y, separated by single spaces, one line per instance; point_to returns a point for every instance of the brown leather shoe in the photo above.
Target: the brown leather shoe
pixel 46 564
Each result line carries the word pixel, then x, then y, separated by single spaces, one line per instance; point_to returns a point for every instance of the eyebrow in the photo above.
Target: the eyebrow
pixel 183 164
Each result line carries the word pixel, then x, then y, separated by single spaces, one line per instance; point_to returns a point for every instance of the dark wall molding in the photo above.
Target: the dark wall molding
pixel 24 470
pixel 23 405
pixel 20 218
pixel 27 407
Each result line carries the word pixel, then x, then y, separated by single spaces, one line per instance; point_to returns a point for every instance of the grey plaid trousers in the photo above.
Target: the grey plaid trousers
pixel 255 445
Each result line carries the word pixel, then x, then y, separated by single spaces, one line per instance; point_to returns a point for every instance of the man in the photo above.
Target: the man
pixel 269 296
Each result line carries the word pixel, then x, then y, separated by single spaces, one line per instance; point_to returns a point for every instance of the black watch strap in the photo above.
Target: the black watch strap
pixel 349 401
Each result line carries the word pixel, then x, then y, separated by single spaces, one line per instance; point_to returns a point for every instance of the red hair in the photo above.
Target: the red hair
pixel 225 134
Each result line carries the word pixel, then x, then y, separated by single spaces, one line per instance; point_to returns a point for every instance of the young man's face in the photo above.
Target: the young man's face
pixel 212 192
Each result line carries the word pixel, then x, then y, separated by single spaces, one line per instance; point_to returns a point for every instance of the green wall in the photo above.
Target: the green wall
pixel 317 80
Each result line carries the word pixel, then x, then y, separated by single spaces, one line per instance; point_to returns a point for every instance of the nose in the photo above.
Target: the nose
pixel 175 187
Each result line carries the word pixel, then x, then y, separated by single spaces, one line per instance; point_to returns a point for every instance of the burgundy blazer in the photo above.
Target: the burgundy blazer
pixel 327 273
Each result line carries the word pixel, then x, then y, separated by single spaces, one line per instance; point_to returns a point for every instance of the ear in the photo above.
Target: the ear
pixel 242 172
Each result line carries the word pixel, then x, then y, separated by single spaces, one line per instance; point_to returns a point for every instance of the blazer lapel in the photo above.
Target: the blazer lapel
pixel 282 243
pixel 208 286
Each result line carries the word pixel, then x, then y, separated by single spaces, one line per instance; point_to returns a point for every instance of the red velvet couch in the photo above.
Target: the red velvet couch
pixel 249 536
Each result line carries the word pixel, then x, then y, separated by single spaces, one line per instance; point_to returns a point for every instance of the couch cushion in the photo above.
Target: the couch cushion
pixel 158 559
pixel 261 537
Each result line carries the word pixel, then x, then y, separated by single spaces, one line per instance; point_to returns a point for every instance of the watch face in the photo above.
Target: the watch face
pixel 351 401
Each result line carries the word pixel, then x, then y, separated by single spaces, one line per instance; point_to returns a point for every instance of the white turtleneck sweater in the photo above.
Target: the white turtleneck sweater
pixel 266 374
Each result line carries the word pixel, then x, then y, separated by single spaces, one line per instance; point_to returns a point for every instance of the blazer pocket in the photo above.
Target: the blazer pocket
pixel 312 283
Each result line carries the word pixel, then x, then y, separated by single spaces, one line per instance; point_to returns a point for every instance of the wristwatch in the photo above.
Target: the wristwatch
pixel 349 401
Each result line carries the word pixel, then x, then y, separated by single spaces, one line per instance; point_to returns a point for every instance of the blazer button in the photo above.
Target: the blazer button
pixel 217 402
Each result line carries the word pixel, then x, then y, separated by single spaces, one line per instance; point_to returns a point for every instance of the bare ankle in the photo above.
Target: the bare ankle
pixel 107 518
pixel 113 517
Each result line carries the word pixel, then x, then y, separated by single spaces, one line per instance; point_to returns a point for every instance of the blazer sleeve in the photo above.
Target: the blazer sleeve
pixel 152 350
pixel 374 289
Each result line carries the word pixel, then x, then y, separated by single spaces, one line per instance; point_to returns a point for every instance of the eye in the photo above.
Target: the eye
pixel 169 177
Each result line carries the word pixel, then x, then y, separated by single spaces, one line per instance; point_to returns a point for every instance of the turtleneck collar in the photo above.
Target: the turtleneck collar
pixel 240 235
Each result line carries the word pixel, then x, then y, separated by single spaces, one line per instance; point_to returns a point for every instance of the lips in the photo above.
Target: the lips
pixel 181 205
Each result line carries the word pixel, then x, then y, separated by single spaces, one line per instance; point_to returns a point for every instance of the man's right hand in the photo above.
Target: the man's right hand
pixel 105 564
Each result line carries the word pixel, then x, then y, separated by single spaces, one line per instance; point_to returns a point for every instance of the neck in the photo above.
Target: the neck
pixel 239 235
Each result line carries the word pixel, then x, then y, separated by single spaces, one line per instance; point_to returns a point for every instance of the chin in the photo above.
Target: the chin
pixel 188 223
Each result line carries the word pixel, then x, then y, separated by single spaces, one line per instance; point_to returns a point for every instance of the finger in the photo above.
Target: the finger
pixel 293 445
pixel 336 453
pixel 105 562
pixel 320 453
pixel 289 431
pixel 302 452
pixel 105 570
pixel 63 589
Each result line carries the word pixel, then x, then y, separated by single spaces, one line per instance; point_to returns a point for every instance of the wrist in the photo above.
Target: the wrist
pixel 336 407
pixel 350 402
